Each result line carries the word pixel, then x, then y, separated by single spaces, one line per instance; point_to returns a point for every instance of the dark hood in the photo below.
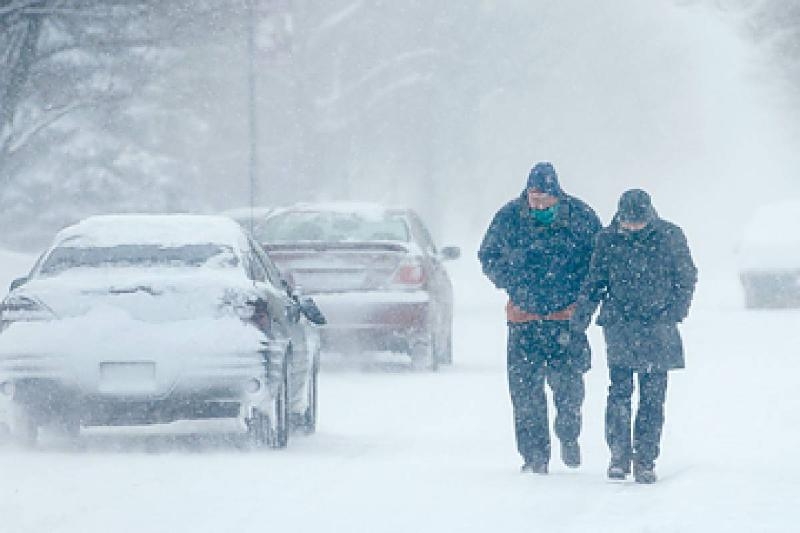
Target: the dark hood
pixel 635 205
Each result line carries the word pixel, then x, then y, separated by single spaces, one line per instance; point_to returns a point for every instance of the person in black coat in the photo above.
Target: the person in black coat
pixel 538 249
pixel 642 272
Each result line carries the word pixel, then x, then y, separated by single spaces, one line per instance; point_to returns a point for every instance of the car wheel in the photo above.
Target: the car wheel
pixel 424 356
pixel 445 352
pixel 258 429
pixel 309 424
pixel 279 428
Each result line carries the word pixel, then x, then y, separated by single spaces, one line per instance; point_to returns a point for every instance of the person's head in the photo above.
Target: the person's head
pixel 635 211
pixel 543 188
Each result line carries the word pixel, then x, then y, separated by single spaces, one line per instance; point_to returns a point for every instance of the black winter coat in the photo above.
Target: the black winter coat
pixel 541 267
pixel 645 281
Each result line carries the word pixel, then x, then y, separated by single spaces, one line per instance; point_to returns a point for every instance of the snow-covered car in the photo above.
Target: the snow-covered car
pixel 769 256
pixel 150 319
pixel 375 273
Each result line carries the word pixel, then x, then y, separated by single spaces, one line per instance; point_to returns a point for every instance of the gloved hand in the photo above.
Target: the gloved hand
pixel 579 322
pixel 515 315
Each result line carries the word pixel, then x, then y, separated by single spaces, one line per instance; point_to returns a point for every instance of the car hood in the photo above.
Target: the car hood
pixel 150 296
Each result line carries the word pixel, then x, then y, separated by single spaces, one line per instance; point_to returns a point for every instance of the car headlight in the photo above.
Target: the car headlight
pixel 19 308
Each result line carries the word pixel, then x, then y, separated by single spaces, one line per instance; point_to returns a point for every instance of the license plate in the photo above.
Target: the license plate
pixel 127 377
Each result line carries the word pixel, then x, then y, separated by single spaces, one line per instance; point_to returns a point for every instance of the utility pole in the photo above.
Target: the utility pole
pixel 269 41
pixel 251 105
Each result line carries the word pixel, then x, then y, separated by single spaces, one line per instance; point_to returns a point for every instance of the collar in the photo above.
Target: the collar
pixel 562 213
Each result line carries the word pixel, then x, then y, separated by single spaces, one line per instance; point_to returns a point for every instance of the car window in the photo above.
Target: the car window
pixel 255 268
pixel 323 226
pixel 422 234
pixel 64 258
pixel 270 271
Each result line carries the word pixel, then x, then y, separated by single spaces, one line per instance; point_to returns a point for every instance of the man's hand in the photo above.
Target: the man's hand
pixel 515 315
pixel 565 314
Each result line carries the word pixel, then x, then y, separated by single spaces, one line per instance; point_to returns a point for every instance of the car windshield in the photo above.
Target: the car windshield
pixel 332 227
pixel 139 256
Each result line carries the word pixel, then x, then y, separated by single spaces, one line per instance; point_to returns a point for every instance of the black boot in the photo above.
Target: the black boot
pixel 534 467
pixel 619 467
pixel 644 473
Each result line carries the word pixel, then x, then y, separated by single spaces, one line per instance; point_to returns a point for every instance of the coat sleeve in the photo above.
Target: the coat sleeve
pixel 589 229
pixel 496 253
pixel 684 276
pixel 594 288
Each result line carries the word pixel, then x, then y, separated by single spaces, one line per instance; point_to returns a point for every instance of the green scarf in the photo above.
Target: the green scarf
pixel 545 216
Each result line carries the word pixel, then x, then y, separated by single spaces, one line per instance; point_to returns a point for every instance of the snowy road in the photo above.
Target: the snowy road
pixel 402 451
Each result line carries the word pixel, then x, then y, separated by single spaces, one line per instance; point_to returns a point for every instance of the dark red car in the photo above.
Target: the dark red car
pixel 375 273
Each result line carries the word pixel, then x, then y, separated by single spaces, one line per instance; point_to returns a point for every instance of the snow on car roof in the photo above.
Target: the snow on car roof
pixel 238 213
pixel 366 210
pixel 776 223
pixel 169 229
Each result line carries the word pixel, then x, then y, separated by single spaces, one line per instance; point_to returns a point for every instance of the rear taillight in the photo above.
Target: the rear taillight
pixel 409 274
pixel 19 308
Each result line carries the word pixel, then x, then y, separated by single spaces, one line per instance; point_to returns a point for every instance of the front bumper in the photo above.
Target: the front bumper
pixel 376 320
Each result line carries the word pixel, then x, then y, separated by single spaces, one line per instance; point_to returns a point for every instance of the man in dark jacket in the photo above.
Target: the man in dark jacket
pixel 538 249
pixel 642 272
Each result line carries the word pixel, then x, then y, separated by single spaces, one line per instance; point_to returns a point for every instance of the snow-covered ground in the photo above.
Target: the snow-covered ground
pixel 399 451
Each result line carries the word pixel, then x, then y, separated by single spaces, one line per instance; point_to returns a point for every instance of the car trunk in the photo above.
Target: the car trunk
pixel 339 267
pixel 151 297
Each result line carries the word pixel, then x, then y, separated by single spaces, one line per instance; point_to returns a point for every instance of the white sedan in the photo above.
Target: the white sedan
pixel 147 319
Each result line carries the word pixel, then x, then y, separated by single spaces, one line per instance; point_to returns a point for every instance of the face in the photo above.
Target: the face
pixel 540 200
pixel 633 226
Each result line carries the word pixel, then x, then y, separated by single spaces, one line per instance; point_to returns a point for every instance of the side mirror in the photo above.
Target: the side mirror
pixel 296 292
pixel 450 253
pixel 287 280
pixel 311 311
pixel 19 282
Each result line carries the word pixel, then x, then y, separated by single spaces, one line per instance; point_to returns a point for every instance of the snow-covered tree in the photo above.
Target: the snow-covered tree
pixel 83 126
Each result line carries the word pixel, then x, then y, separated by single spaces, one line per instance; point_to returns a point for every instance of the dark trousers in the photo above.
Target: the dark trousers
pixel 645 447
pixel 535 356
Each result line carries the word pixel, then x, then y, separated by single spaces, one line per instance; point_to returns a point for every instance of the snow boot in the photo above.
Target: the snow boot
pixel 644 473
pixel 571 453
pixel 618 467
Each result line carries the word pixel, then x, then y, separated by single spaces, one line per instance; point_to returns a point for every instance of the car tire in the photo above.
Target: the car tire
pixel 258 429
pixel 278 437
pixel 309 424
pixel 445 352
pixel 423 355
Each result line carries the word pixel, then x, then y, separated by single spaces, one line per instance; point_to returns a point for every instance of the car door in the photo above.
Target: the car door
pixel 295 324
pixel 440 286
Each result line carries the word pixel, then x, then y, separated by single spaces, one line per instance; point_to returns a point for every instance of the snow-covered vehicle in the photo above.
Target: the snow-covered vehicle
pixel 374 272
pixel 769 256
pixel 150 319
